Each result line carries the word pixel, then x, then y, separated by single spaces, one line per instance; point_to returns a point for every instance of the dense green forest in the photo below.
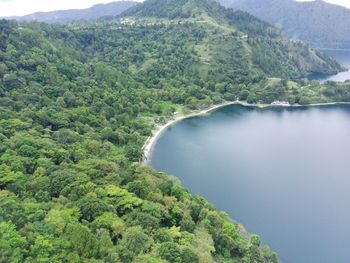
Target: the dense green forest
pixel 77 103
pixel 321 24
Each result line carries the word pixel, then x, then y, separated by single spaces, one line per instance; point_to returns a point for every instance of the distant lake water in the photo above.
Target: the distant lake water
pixel 284 173
pixel 343 57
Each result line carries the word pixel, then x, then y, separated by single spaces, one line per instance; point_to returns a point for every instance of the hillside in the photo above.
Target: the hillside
pixel 321 24
pixel 66 16
pixel 78 102
pixel 237 41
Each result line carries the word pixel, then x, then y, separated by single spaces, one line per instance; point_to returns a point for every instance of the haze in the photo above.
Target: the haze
pixel 24 7
pixel 345 3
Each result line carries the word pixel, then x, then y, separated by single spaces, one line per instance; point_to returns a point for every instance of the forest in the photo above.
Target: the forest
pixel 77 103
pixel 310 21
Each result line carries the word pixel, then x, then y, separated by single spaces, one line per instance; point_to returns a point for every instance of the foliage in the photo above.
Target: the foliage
pixel 327 28
pixel 76 106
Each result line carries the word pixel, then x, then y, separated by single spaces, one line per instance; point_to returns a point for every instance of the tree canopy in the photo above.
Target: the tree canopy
pixel 77 103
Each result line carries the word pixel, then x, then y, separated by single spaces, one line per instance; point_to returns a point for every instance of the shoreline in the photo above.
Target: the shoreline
pixel 152 140
pixel 331 49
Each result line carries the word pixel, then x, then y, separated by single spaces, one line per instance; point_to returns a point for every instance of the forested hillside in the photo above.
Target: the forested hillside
pixel 236 40
pixel 77 103
pixel 66 16
pixel 321 24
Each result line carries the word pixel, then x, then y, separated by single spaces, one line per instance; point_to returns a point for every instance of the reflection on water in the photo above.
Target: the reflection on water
pixel 283 173
pixel 343 57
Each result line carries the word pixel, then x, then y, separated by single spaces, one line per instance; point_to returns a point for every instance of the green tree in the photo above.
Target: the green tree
pixel 243 95
pixel 91 207
pixel 135 240
pixel 82 241
pixel 12 245
pixel 7 176
pixel 170 251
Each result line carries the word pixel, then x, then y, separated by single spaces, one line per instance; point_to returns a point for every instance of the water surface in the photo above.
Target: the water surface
pixel 283 173
pixel 343 57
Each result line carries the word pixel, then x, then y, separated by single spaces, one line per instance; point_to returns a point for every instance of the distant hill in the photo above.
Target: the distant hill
pixel 176 9
pixel 235 42
pixel 318 23
pixel 78 102
pixel 66 16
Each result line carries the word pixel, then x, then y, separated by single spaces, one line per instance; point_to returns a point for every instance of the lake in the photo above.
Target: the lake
pixel 343 57
pixel 284 173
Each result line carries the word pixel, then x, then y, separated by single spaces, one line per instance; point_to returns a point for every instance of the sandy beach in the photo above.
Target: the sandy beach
pixel 152 140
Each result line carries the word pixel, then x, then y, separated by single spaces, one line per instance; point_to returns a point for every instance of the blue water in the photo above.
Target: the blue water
pixel 343 57
pixel 283 173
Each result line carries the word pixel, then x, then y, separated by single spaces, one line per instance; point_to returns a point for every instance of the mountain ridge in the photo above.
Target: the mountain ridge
pixel 318 23
pixel 71 15
pixel 174 9
pixel 78 102
pixel 292 17
pixel 257 33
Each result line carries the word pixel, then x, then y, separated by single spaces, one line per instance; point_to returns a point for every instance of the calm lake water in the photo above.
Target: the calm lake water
pixel 343 57
pixel 282 172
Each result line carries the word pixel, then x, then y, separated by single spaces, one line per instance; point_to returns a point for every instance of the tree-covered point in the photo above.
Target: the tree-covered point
pixel 77 103
pixel 72 126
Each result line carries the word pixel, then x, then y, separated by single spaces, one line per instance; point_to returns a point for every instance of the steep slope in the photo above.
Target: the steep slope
pixel 259 47
pixel 72 124
pixel 66 16
pixel 77 103
pixel 176 9
pixel 318 23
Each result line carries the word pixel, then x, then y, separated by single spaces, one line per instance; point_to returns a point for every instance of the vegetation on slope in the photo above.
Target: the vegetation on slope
pixel 71 128
pixel 76 105
pixel 240 36
pixel 318 23
pixel 71 15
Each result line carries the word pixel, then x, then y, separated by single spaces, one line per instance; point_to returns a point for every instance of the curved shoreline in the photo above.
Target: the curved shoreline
pixel 152 140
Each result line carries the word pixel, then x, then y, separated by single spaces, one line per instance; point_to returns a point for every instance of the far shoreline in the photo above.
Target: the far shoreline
pixel 156 133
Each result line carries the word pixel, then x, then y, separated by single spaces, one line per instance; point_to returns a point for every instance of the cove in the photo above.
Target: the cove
pixel 284 173
pixel 343 57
